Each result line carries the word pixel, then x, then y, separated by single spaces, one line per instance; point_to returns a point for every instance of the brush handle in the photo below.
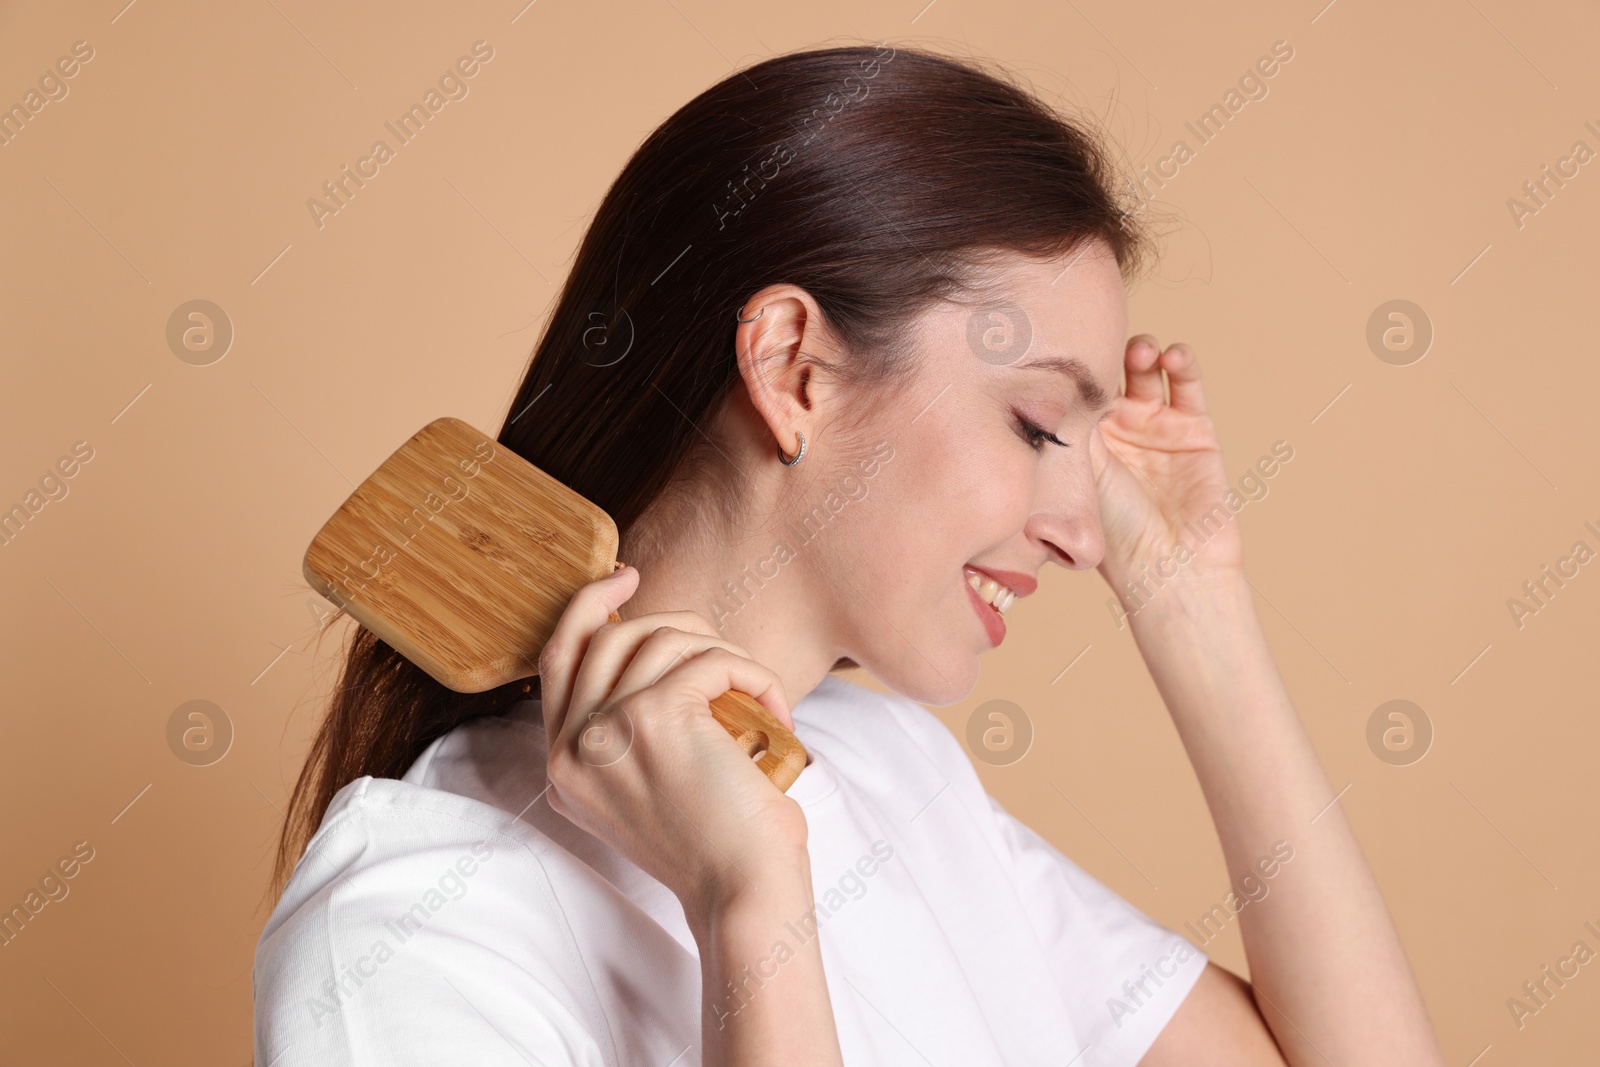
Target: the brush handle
pixel 781 755
pixel 777 752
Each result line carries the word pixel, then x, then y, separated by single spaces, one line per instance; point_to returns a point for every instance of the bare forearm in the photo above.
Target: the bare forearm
pixel 763 991
pixel 1331 978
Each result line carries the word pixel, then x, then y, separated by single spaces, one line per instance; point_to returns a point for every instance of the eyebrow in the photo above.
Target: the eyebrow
pixel 1091 391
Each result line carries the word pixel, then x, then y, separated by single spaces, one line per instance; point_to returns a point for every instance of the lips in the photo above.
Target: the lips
pixel 992 592
pixel 1022 584
pixel 993 624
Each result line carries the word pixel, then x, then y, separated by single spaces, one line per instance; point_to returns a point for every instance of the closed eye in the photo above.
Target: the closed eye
pixel 1036 436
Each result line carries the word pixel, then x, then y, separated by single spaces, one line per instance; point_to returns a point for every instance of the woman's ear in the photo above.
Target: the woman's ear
pixel 781 340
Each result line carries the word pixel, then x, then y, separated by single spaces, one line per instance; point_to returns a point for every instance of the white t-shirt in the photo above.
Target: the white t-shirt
pixel 446 917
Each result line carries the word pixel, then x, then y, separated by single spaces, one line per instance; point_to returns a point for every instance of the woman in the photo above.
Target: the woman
pixel 840 353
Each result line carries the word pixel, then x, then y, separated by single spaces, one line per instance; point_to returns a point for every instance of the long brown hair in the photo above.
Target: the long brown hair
pixel 872 177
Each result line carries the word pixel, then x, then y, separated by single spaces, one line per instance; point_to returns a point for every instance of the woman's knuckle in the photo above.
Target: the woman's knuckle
pixel 722 655
pixel 667 639
pixel 563 802
pixel 559 769
pixel 607 634
pixel 621 707
pixel 693 621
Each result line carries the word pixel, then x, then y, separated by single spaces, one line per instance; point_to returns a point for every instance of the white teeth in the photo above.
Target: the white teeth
pixel 996 595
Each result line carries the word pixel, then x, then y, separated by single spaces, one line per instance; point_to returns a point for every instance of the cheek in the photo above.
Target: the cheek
pixel 907 526
pixel 962 494
pixel 988 484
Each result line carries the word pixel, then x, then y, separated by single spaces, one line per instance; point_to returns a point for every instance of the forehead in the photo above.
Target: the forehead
pixel 1065 316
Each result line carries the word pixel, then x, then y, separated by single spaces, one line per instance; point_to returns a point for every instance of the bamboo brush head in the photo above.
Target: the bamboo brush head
pixel 461 555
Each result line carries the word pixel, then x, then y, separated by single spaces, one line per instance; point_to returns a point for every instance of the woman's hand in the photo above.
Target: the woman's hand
pixel 1324 955
pixel 1158 467
pixel 637 760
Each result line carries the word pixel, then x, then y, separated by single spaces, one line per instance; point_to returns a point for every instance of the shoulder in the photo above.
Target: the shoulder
pixel 371 929
pixel 385 844
pixel 389 824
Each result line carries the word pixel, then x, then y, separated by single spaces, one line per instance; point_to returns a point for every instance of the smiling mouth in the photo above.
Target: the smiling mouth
pixel 991 592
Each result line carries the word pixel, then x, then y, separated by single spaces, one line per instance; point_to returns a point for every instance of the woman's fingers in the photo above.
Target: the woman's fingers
pixel 1141 360
pixel 1145 361
pixel 670 678
pixel 614 644
pixel 1183 376
pixel 705 677
pixel 565 648
pixel 624 658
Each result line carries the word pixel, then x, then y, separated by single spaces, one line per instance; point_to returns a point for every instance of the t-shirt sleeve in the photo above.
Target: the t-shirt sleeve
pixel 416 958
pixel 1122 974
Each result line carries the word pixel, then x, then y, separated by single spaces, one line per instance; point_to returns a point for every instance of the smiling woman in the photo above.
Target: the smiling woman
pixel 777 349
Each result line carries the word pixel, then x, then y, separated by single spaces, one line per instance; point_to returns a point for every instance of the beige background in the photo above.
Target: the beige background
pixel 1418 501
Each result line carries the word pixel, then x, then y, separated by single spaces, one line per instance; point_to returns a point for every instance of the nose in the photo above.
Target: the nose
pixel 1066 519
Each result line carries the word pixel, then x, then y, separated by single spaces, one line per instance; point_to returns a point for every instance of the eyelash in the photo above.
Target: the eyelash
pixel 1035 436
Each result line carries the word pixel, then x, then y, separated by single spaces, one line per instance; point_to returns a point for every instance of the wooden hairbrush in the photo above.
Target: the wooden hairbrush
pixel 462 555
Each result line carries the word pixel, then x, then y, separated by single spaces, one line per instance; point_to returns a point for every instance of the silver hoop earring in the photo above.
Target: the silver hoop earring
pixel 752 318
pixel 798 456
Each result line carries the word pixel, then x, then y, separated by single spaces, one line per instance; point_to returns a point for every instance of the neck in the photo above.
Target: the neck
pixel 746 595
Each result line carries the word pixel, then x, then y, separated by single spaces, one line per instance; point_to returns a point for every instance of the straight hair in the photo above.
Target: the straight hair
pixel 879 180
